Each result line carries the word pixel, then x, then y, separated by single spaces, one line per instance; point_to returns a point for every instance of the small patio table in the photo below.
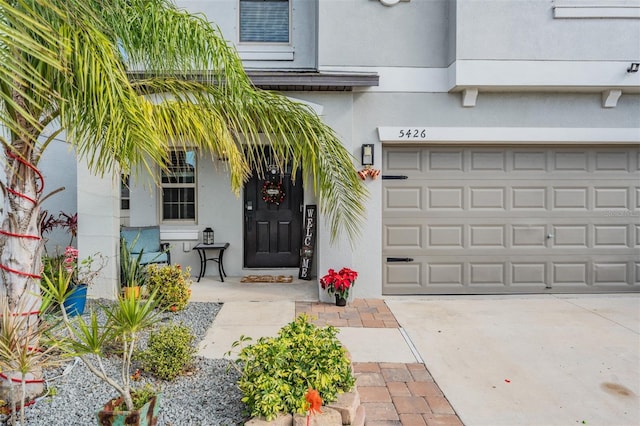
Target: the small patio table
pixel 202 248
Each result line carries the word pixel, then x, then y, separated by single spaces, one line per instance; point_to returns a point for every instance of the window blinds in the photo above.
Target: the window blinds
pixel 264 21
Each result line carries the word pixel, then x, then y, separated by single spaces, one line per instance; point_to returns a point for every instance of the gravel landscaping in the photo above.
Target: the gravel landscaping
pixel 206 396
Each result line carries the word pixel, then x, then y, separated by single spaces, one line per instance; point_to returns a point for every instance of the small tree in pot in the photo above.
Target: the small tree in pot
pixel 88 340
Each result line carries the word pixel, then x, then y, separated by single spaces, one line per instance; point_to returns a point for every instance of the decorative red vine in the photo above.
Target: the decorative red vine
pixel 26 197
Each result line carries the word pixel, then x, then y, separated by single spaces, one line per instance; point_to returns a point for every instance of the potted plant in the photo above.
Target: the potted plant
pixel 82 275
pixel 339 283
pixel 90 340
pixel 132 272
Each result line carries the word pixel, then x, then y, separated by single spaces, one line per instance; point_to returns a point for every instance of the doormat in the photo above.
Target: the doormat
pixel 267 279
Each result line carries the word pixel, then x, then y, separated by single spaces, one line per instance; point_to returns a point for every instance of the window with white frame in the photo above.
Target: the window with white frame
pixel 179 187
pixel 264 21
pixel 125 193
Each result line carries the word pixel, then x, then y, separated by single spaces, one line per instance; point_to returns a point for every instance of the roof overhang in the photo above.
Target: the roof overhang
pixel 312 80
pixel 292 80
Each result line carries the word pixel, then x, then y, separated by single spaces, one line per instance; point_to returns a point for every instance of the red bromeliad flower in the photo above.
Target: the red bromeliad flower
pixel 339 282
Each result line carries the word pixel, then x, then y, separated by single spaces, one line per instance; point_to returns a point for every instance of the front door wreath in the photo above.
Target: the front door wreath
pixel 272 192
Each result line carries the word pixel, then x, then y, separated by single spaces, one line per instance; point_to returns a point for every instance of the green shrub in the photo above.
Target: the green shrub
pixel 276 372
pixel 169 351
pixel 171 285
pixel 140 396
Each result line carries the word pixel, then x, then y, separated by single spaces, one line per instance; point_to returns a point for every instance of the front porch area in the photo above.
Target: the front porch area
pixel 210 289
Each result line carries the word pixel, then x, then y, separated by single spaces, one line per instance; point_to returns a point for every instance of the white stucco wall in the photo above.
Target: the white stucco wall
pixel 99 227
pixel 59 163
pixel 527 29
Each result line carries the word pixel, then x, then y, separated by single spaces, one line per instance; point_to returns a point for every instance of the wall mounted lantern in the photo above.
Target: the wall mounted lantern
pixel 367 154
pixel 207 236
pixel 633 67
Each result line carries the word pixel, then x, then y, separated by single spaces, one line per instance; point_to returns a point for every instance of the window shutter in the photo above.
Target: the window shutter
pixel 264 21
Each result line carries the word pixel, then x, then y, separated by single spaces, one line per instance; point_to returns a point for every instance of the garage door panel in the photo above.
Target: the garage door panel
pixel 530 161
pixel 529 273
pixel 610 273
pixel 528 198
pixel 575 236
pixel 508 220
pixel 611 198
pixel 404 237
pixel 406 275
pixel 487 198
pixel 403 198
pixel 485 236
pixel 611 236
pixel 450 161
pixel 569 272
pixel 481 273
pixel 447 273
pixel 405 160
pixel 611 160
pixel 528 236
pixel 445 236
pixel 576 161
pixel 488 160
pixel 570 198
pixel 448 198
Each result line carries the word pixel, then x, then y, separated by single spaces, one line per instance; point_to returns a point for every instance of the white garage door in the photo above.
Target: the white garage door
pixel 506 220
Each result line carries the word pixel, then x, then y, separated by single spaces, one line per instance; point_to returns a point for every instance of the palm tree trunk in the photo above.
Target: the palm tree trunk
pixel 20 241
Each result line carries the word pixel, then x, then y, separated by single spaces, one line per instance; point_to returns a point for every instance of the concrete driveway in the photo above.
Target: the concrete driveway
pixel 531 360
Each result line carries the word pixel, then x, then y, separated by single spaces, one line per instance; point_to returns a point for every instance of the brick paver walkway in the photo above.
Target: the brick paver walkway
pixel 392 393
pixel 372 313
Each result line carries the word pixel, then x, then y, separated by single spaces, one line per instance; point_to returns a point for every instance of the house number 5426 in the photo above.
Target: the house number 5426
pixel 419 133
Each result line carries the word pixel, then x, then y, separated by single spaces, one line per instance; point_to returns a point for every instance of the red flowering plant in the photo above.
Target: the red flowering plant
pixel 339 282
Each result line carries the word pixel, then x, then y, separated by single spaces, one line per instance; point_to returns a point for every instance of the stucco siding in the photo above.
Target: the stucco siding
pixel 366 33
pixel 527 30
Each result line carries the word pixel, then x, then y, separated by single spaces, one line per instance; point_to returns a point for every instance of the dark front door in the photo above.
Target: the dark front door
pixel 272 221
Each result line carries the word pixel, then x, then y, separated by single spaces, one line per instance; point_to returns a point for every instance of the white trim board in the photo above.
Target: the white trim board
pixel 501 135
pixel 503 75
pixel 601 10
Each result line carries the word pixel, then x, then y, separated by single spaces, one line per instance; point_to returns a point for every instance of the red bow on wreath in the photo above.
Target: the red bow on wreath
pixel 372 173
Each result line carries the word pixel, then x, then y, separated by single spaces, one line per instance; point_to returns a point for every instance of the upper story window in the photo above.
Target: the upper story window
pixel 264 21
pixel 179 187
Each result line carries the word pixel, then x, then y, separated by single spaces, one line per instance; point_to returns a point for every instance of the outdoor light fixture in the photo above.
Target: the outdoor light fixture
pixel 633 67
pixel 367 154
pixel 207 236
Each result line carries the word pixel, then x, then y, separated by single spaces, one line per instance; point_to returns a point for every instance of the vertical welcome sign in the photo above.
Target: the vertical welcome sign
pixel 308 242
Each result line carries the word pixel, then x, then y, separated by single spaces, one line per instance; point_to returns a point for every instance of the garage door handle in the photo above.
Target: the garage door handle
pixel 399 259
pixel 395 177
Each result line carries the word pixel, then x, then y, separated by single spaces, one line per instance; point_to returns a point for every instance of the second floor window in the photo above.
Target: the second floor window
pixel 264 21
pixel 179 187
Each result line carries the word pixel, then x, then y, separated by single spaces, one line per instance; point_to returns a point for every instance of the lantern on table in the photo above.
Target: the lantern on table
pixel 207 236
